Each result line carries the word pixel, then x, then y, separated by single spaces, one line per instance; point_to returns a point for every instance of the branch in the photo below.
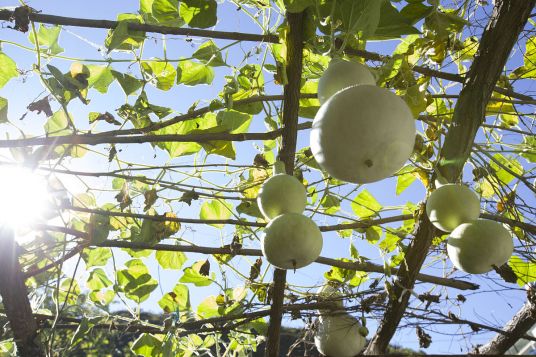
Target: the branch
pixel 96 139
pixel 291 105
pixel 337 227
pixel 7 15
pixel 514 330
pixel 190 326
pixel 15 298
pixel 163 218
pixel 505 25
pixel 356 266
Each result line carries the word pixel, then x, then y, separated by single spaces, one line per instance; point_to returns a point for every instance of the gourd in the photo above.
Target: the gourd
pixel 280 194
pixel 339 335
pixel 363 134
pixel 291 241
pixel 451 205
pixel 475 246
pixel 342 74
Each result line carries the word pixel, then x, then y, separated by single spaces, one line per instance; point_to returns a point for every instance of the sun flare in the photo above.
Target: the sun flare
pixel 24 197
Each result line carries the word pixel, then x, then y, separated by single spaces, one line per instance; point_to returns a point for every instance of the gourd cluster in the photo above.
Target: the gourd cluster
pixel 291 240
pixel 474 245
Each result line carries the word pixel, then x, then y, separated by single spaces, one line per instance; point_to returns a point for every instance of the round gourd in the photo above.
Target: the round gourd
pixel 475 246
pixel 291 241
pixel 339 336
pixel 451 205
pixel 342 74
pixel 329 293
pixel 280 194
pixel 363 134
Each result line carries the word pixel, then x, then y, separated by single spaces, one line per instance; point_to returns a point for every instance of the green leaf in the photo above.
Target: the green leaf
pixel 416 11
pixel 209 307
pixel 216 209
pixel 445 23
pixel 8 69
pixel 416 100
pixel 98 228
pixel 233 122
pixel 135 281
pixel 404 179
pixel 147 345
pixel 393 24
pixel 192 275
pixel 170 260
pixel 98 280
pixel 57 124
pixel 525 270
pixel 331 204
pixel 166 12
pixel 3 110
pixel 506 162
pixel 100 77
pixel 68 292
pixel 96 256
pixel 128 83
pixel 309 106
pixel 177 300
pixel 193 73
pixel 373 234
pixel 199 13
pixel 209 54
pixel 121 38
pixel 365 205
pixel 176 149
pixel 358 16
pixel 389 243
pixel 103 298
pixel 161 74
pixel 48 39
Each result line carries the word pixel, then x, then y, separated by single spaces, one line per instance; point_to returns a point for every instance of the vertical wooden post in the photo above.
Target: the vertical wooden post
pixel 287 154
pixel 15 298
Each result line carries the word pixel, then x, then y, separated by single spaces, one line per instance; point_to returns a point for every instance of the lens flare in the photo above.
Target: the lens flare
pixel 24 197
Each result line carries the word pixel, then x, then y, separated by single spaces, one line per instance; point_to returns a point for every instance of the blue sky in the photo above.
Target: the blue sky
pixel 492 308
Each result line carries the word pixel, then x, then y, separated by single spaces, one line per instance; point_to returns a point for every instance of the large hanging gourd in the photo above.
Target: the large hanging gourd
pixel 363 134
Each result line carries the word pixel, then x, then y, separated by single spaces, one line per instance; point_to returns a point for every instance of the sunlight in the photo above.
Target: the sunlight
pixel 23 197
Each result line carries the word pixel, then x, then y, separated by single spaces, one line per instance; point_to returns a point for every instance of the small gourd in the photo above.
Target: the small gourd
pixel 339 335
pixel 291 241
pixel 280 194
pixel 342 74
pixel 477 246
pixel 451 205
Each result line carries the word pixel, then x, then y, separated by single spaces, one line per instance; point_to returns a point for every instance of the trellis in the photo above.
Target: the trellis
pixel 504 26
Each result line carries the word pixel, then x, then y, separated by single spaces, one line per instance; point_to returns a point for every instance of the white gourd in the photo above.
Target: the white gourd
pixel 363 134
pixel 339 335
pixel 291 241
pixel 342 74
pixel 451 205
pixel 475 246
pixel 280 194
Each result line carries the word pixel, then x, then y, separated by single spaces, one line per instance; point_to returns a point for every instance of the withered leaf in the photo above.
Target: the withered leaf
pixel 205 268
pixel 42 105
pixel 188 197
pixel 150 198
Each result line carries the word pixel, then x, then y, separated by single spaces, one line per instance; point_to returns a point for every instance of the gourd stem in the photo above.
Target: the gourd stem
pixel 279 167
